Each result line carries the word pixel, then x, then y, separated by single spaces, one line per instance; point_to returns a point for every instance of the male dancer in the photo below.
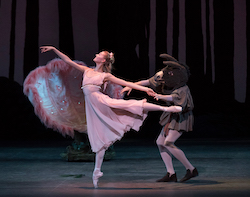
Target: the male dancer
pixel 170 82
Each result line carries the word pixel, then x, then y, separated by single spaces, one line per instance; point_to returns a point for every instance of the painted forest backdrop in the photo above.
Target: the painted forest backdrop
pixel 210 36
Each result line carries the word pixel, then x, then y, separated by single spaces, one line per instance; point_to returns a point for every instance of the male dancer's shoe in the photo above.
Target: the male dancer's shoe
pixel 168 178
pixel 96 175
pixel 189 175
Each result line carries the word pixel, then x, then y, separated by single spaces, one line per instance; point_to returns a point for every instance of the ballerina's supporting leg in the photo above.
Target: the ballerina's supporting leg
pixel 98 164
pixel 153 107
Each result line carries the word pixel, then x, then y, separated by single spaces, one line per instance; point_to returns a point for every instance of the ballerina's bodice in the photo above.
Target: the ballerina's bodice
pixel 92 81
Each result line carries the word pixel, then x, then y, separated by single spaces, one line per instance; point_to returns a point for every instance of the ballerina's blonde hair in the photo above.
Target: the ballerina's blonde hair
pixel 110 59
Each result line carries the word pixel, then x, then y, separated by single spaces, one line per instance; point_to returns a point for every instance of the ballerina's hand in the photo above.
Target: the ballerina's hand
pixel 46 48
pixel 150 92
pixel 126 89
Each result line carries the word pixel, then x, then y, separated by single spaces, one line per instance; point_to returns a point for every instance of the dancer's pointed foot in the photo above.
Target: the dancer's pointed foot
pixel 96 175
pixel 189 175
pixel 174 109
pixel 168 178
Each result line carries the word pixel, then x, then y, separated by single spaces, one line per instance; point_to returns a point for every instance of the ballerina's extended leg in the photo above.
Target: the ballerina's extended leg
pixel 153 107
pixel 174 109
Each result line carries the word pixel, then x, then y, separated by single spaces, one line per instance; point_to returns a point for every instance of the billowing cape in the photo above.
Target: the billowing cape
pixel 55 92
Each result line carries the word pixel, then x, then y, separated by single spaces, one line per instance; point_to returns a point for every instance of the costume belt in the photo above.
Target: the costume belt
pixel 90 85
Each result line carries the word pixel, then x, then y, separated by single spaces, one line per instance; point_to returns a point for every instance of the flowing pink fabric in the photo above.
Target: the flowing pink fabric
pixel 108 118
pixel 55 92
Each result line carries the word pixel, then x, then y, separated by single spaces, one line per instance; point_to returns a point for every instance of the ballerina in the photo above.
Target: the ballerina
pixel 108 118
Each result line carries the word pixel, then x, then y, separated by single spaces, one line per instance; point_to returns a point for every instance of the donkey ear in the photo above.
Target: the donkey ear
pixel 173 64
pixel 167 57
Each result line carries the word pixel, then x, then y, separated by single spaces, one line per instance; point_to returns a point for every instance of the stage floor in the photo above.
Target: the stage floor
pixel 35 168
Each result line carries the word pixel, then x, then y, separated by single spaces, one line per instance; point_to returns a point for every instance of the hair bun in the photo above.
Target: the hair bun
pixel 112 57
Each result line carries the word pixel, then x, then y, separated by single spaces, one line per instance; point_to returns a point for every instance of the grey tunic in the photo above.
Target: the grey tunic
pixel 184 120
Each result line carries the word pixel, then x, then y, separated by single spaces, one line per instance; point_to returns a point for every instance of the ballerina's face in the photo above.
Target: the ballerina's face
pixel 99 58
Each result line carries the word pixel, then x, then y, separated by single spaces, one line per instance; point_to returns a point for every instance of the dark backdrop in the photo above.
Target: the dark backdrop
pixel 123 26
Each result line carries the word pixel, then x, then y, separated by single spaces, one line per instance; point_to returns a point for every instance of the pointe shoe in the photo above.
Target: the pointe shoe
pixel 168 178
pixel 96 176
pixel 189 175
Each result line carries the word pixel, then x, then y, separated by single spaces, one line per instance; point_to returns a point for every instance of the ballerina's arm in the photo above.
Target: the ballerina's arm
pixel 64 57
pixel 141 83
pixel 122 82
